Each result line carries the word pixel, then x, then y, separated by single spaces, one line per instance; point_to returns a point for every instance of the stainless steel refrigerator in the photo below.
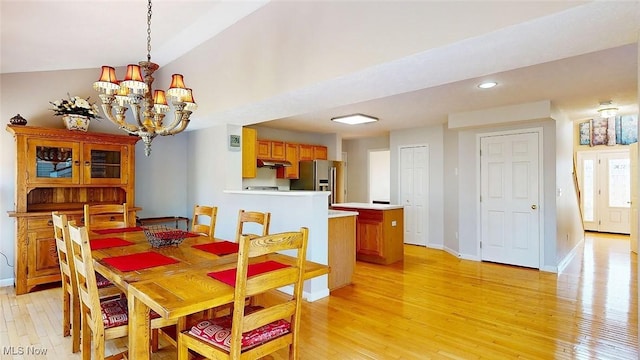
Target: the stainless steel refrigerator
pixel 321 175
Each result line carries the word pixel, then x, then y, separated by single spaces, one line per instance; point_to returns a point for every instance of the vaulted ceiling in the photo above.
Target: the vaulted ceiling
pixel 296 64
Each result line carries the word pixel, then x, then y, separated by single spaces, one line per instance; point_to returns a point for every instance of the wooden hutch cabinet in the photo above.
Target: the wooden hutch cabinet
pixel 58 169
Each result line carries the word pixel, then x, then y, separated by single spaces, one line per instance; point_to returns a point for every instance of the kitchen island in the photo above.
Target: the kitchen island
pixel 379 231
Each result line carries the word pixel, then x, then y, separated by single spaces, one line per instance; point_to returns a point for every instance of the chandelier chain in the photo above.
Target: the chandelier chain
pixel 149 32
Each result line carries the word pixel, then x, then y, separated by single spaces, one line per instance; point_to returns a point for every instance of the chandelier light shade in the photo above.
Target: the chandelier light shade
pixel 148 106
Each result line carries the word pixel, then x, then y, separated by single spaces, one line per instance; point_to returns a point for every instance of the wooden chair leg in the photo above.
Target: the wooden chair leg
pixel 76 325
pixel 154 340
pixel 66 312
pixel 86 339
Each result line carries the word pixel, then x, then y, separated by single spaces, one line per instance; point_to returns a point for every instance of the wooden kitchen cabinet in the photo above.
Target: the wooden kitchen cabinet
pixel 249 153
pixel 278 151
pixel 271 150
pixel 263 150
pixel 379 234
pixel 319 152
pixel 291 155
pixel 342 250
pixel 61 170
pixel 305 152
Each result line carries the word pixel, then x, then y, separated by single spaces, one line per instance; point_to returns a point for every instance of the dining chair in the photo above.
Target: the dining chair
pixel 70 302
pixel 251 332
pixel 105 216
pixel 207 225
pixel 252 217
pixel 102 318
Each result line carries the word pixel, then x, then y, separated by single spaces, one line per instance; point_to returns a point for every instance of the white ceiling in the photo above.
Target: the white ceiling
pixel 409 63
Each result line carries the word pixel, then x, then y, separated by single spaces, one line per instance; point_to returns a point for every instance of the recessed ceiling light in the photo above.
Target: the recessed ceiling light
pixel 354 119
pixel 487 84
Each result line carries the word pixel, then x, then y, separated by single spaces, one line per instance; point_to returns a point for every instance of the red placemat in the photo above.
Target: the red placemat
pixel 190 234
pixel 219 247
pixel 139 261
pixel 229 276
pixel 97 244
pixel 117 230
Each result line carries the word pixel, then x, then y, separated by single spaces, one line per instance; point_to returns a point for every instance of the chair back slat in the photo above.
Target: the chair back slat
pixel 106 216
pixel 276 312
pixel 207 225
pixel 272 280
pixel 256 218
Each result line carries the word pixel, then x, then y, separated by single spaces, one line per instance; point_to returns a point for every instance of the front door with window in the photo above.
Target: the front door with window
pixel 605 190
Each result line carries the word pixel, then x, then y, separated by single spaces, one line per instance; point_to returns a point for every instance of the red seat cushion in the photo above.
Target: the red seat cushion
pixel 115 312
pixel 218 332
pixel 102 281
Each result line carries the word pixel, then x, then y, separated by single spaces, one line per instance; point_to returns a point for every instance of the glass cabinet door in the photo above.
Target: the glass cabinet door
pixel 105 164
pixel 53 161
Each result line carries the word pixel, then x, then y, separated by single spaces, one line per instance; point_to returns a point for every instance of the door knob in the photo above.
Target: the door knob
pixel 534 206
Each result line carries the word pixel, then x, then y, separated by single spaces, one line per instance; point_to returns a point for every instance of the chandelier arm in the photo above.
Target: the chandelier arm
pixel 177 119
pixel 183 125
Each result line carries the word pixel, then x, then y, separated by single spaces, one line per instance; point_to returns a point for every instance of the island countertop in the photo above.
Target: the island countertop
pixel 341 213
pixel 367 206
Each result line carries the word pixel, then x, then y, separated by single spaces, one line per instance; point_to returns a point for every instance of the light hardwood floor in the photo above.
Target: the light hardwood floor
pixel 431 306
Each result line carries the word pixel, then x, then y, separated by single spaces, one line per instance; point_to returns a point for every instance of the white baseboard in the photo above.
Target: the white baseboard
pixel 6 282
pixel 308 296
pixel 567 259
pixel 317 295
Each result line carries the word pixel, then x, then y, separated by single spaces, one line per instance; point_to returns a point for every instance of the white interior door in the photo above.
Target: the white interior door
pixel 414 190
pixel 510 219
pixel 633 230
pixel 605 190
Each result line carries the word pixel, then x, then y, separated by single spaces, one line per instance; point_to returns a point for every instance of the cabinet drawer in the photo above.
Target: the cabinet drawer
pixel 40 223
pixel 45 222
pixel 370 215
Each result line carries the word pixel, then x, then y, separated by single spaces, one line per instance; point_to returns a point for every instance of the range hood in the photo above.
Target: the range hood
pixel 273 163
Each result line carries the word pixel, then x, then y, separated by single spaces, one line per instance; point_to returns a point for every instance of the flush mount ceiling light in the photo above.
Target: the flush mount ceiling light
pixel 607 109
pixel 354 119
pixel 487 84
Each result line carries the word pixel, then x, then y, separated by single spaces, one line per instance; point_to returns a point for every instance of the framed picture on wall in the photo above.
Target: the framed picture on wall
pixel 585 132
pixel 599 131
pixel 626 129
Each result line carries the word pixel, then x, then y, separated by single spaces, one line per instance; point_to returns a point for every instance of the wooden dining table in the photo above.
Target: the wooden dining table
pixel 172 290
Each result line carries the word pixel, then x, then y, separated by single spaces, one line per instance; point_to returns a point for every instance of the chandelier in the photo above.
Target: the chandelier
pixel 136 91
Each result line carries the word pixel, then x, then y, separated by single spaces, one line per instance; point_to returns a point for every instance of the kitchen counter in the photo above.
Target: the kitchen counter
pixel 279 192
pixel 367 206
pixel 379 231
pixel 341 213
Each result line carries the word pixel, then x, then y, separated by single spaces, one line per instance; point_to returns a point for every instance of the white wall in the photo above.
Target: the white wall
pixel 380 175
pixel 358 171
pixel 570 232
pixel 161 178
pixel 450 174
